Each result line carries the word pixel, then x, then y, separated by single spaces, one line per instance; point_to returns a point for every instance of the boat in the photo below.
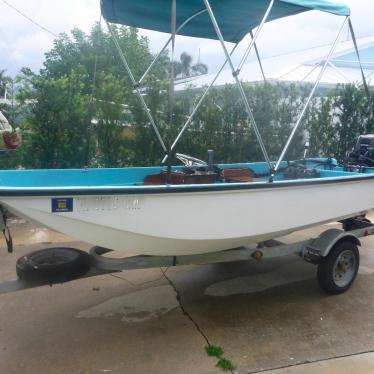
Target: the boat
pixel 124 214
pixel 198 207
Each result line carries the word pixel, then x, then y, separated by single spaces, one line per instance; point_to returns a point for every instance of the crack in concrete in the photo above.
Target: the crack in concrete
pixel 307 362
pixel 133 284
pixel 185 312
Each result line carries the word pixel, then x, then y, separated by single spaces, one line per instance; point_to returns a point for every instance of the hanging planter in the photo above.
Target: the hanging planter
pixel 10 140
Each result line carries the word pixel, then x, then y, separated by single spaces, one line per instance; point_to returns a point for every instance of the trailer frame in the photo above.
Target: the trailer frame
pixel 313 250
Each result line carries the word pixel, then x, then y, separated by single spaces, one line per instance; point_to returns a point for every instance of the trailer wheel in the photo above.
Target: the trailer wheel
pixel 338 270
pixel 53 265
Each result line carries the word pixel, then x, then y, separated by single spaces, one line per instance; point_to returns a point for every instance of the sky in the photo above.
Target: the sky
pixel 22 43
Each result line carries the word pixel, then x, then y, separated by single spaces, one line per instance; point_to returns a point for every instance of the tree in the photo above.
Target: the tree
pixel 184 68
pixel 349 109
pixel 322 134
pixel 111 118
pixel 337 119
pixel 4 81
pixel 80 110
pixel 58 121
pixel 77 116
pixel 11 108
pixel 222 122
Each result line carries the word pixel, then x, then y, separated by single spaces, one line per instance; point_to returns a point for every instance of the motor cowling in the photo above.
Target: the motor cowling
pixel 363 153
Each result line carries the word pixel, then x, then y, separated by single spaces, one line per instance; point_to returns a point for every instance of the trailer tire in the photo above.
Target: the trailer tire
pixel 53 265
pixel 338 270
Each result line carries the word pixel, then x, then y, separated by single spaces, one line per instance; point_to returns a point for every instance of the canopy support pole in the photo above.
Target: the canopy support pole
pixel 340 73
pixel 136 86
pixel 253 41
pixel 167 44
pixel 364 82
pixel 258 58
pixel 238 82
pixel 140 81
pixel 312 92
pixel 197 106
pixel 315 67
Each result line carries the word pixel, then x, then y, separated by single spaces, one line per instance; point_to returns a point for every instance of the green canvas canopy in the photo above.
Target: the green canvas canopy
pixel 235 17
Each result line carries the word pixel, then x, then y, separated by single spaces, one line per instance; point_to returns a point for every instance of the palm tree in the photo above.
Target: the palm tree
pixel 184 68
pixel 199 68
pixel 3 82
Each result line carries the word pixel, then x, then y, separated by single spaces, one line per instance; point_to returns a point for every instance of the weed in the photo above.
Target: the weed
pixel 225 364
pixel 214 351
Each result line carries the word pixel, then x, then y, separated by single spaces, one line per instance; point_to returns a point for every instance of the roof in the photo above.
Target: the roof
pixel 235 17
pixel 349 59
pixel 343 67
pixel 301 66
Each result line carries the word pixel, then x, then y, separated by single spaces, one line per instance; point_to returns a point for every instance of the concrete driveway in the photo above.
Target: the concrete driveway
pixel 265 315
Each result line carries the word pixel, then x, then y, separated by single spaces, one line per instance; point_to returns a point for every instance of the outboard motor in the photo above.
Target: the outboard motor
pixel 363 153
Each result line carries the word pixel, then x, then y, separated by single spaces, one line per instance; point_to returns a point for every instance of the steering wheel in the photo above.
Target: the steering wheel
pixel 190 161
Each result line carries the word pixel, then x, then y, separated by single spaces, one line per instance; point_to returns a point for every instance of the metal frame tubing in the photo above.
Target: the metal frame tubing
pixel 258 58
pixel 315 67
pixel 364 82
pixel 167 43
pixel 339 72
pixel 136 86
pixel 197 106
pixel 298 122
pixel 240 87
pixel 257 33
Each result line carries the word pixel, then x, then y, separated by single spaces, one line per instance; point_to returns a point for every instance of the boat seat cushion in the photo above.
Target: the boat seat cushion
pixel 237 175
pixel 180 177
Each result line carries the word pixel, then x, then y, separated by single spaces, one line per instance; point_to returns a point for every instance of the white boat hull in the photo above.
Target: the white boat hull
pixel 198 222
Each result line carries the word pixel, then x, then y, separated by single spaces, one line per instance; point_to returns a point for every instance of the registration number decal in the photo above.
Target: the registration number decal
pixel 62 204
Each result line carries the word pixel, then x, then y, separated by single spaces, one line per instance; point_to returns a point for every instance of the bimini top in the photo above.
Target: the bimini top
pixel 235 17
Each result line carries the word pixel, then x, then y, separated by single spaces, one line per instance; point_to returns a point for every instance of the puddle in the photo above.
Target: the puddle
pixel 365 270
pixel 39 235
pixel 137 306
pixel 257 282
pixel 24 232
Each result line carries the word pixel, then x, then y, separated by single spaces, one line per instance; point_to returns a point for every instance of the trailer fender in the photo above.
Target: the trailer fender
pixel 322 245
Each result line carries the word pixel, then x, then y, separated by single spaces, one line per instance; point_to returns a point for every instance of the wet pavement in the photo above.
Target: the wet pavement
pixel 265 315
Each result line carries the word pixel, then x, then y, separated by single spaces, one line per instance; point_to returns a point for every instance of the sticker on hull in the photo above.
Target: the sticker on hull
pixel 62 205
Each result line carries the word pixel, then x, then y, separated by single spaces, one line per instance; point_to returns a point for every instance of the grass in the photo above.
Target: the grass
pixel 223 363
pixel 214 351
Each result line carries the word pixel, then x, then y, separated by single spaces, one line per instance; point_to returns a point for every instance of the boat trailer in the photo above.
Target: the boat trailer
pixel 334 251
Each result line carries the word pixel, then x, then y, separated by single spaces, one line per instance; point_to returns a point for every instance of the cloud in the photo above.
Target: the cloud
pixel 24 44
pixel 286 35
